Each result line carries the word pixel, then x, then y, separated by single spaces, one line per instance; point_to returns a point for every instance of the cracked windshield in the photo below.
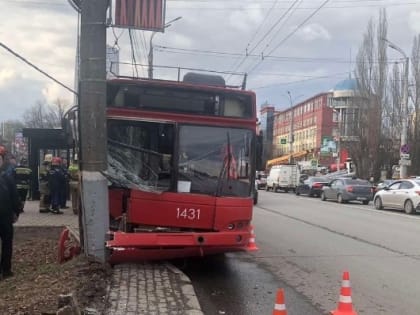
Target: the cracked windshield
pixel 215 157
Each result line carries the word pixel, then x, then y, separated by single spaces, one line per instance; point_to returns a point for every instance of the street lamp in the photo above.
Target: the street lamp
pixel 150 55
pixel 338 143
pixel 291 136
pixel 404 111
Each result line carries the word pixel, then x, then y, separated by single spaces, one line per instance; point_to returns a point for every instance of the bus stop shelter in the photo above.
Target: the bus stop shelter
pixel 41 139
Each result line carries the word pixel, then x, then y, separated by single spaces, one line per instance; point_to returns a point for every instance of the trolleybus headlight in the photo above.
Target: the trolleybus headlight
pixel 231 226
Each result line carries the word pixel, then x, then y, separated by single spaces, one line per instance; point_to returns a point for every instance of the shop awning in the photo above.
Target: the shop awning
pixel 285 158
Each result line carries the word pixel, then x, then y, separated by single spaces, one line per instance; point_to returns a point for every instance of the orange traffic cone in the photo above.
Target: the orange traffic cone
pixel 280 307
pixel 251 245
pixel 345 306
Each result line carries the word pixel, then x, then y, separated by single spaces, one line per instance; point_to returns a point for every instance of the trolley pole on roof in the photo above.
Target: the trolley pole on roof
pixel 93 141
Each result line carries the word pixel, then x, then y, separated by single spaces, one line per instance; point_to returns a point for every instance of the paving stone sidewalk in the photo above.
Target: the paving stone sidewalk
pixel 144 288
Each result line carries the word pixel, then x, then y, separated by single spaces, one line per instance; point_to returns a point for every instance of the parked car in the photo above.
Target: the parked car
pixel 401 194
pixel 347 189
pixel 261 181
pixel 311 186
pixel 382 185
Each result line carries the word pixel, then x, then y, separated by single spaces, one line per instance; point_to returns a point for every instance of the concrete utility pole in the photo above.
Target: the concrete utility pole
pixel 292 120
pixel 404 131
pixel 150 54
pixel 404 162
pixel 93 126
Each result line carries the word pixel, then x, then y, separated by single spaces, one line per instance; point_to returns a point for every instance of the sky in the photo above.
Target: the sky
pixel 304 47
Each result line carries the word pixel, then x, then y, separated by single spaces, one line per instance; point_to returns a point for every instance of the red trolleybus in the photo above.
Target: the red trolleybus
pixel 181 167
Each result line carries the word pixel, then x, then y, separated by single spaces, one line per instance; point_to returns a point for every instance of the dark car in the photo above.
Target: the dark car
pixel 348 189
pixel 312 186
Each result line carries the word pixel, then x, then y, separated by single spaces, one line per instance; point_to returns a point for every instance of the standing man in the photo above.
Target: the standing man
pixel 23 181
pixel 55 180
pixel 74 185
pixel 45 198
pixel 9 213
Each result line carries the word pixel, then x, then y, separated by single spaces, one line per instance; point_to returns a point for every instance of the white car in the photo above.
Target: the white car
pixel 402 194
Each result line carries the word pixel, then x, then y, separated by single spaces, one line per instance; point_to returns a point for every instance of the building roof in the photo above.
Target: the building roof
pixel 345 88
pixel 346 85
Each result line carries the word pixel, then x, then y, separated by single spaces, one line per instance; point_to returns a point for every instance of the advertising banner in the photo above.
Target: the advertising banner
pixel 140 14
pixel 328 146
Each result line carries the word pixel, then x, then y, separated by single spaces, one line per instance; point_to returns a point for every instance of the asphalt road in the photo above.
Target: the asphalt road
pixel 238 285
pixel 308 243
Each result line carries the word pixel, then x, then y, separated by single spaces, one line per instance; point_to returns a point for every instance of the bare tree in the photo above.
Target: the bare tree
pixel 371 75
pixel 415 98
pixel 42 115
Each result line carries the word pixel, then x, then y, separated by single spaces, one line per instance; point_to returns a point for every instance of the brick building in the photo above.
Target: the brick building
pixel 313 124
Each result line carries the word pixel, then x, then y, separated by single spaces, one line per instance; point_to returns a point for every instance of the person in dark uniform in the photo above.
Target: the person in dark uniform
pixel 45 198
pixel 23 181
pixel 55 181
pixel 9 213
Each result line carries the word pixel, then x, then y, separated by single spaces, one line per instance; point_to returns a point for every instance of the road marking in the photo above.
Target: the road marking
pixel 412 256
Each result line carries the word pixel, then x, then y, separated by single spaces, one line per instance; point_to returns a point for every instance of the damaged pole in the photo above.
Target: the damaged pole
pixel 95 219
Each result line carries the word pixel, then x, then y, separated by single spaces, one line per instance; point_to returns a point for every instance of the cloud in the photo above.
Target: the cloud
pixel 314 32
pixel 6 75
pixel 52 91
pixel 414 21
pixel 246 20
pixel 17 96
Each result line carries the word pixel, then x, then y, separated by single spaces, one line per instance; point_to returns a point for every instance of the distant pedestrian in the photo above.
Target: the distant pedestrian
pixel 23 181
pixel 74 185
pixel 45 198
pixel 55 182
pixel 9 213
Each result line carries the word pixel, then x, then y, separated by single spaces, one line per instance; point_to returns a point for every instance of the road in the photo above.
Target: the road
pixel 308 243
pixel 305 245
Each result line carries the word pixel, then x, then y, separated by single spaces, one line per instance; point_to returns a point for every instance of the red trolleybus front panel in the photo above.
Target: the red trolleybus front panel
pixel 189 211
pixel 172 210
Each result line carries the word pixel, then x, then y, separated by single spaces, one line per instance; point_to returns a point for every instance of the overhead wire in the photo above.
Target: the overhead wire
pixel 264 36
pixel 133 56
pixel 300 81
pixel 277 23
pixel 37 68
pixel 291 33
pixel 177 50
pixel 141 52
pixel 265 19
pixel 241 8
pixel 288 15
pixel 135 46
pixel 144 44
pixel 270 1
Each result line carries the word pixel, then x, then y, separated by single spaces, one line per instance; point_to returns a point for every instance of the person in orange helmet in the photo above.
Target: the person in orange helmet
pixel 9 213
pixel 55 180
